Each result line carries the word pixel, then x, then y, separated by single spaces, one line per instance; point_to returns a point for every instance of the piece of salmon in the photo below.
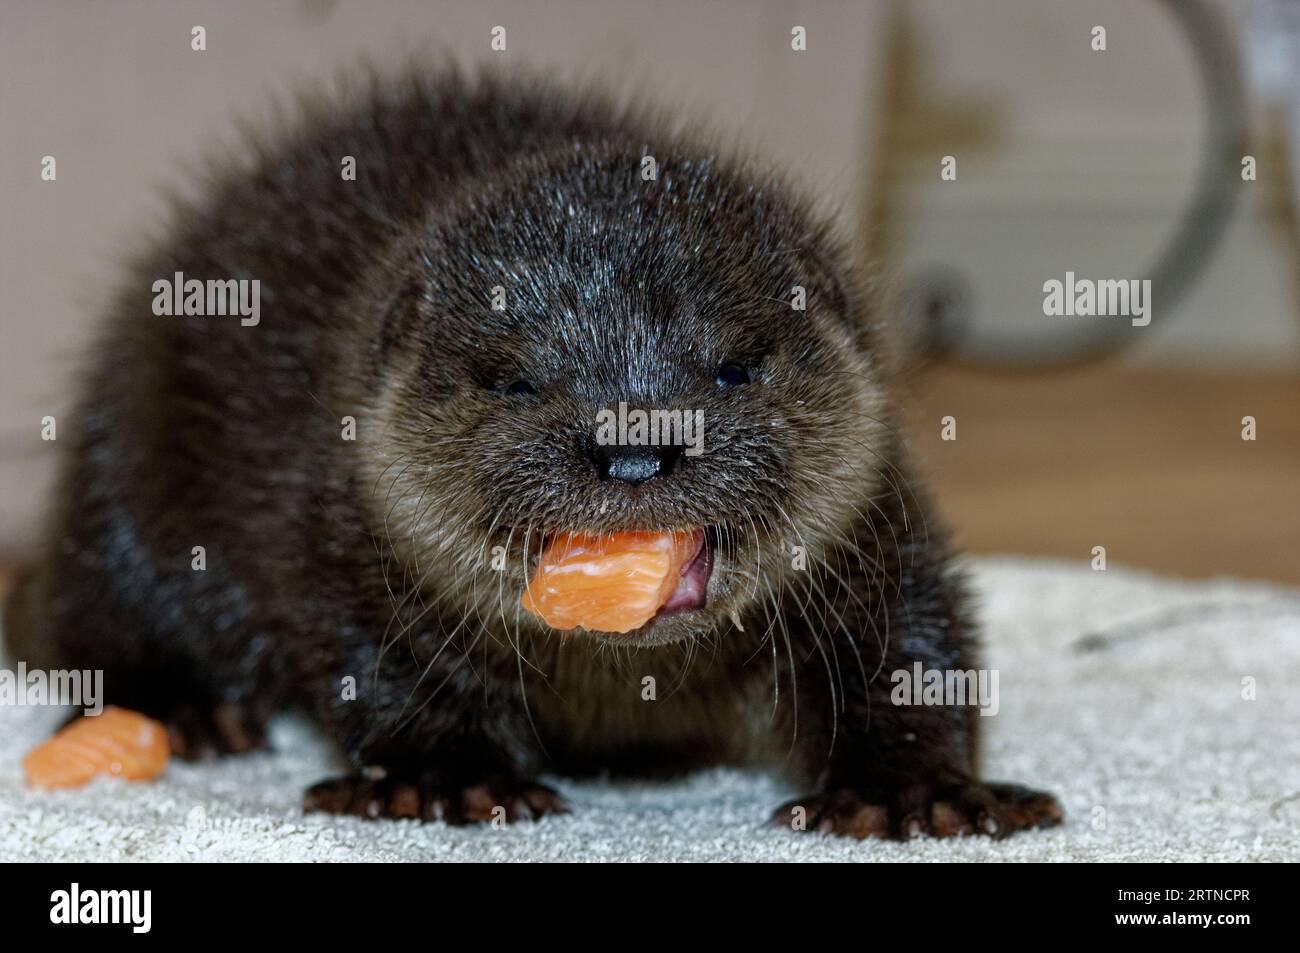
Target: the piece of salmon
pixel 613 582
pixel 118 742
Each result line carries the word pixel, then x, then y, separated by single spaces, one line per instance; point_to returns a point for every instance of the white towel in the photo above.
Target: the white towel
pixel 1125 693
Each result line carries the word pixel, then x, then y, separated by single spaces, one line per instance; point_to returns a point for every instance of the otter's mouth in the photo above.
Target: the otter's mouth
pixel 692 590
pixel 621 584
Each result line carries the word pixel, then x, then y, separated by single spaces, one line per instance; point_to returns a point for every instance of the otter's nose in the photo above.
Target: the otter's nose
pixel 634 464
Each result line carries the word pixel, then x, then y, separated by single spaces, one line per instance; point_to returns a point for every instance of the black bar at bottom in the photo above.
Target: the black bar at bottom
pixel 934 904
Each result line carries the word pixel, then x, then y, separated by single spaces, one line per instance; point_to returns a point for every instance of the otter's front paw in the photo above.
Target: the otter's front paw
pixel 375 794
pixel 997 810
pixel 200 733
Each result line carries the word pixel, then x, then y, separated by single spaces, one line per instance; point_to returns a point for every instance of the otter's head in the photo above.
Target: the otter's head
pixel 534 307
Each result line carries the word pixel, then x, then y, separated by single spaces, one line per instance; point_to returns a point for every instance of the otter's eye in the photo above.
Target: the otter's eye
pixel 521 388
pixel 732 375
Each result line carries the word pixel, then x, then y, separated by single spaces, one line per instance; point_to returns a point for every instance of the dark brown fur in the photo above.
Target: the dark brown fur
pixel 330 559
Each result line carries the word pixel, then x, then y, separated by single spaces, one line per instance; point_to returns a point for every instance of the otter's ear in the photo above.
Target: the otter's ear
pixel 838 295
pixel 834 284
pixel 398 321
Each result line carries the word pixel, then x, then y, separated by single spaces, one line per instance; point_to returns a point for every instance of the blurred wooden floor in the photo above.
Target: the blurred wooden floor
pixel 1150 465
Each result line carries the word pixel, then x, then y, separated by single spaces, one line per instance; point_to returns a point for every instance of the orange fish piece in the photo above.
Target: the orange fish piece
pixel 613 582
pixel 118 742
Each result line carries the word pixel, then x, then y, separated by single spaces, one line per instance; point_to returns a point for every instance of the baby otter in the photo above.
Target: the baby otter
pixel 338 506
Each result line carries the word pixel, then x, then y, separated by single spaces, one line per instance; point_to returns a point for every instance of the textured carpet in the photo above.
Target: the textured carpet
pixel 1122 692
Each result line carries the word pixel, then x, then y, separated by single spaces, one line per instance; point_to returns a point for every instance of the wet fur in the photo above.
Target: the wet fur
pixel 369 559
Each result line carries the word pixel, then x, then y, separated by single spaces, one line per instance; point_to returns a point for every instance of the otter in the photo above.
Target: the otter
pixel 336 507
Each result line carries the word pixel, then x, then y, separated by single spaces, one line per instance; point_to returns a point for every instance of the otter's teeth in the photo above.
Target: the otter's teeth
pixel 735 619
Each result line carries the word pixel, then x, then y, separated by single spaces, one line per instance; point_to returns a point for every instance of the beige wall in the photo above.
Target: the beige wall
pixel 1071 159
